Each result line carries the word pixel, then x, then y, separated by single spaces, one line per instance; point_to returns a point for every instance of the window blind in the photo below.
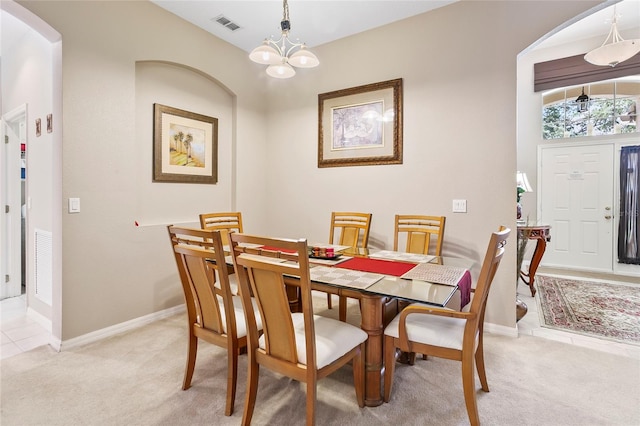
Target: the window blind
pixel 574 70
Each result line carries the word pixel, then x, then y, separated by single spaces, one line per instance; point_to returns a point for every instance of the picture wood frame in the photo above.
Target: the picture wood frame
pixel 361 126
pixel 185 146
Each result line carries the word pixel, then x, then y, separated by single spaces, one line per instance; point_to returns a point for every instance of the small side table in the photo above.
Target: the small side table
pixel 540 233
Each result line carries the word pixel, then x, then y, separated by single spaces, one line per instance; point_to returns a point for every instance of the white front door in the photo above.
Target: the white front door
pixel 576 199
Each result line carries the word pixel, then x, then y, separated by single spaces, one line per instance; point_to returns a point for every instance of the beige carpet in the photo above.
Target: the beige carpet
pixel 135 379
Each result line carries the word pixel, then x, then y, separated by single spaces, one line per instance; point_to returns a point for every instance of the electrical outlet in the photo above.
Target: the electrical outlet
pixel 459 206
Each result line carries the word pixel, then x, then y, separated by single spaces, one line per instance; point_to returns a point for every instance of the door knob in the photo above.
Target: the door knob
pixel 607 217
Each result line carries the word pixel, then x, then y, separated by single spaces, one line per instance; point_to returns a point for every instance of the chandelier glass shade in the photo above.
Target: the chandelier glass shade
pixel 615 49
pixel 282 55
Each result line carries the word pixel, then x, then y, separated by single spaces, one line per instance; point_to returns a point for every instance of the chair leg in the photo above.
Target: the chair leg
pixel 480 367
pixel 389 365
pixel 358 375
pixel 232 377
pixel 468 386
pixel 311 402
pixel 329 301
pixel 252 389
pixel 192 350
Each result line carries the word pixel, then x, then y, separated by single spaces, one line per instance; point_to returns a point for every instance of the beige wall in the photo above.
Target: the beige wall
pixel 112 270
pixel 459 142
pixel 459 130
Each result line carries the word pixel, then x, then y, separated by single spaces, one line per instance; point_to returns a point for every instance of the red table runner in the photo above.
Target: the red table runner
pixel 378 266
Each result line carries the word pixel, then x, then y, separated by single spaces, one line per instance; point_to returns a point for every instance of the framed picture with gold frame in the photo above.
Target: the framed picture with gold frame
pixel 361 126
pixel 185 146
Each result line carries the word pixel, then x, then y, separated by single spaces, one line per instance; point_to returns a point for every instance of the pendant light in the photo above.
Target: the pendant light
pixel 282 55
pixel 615 49
pixel 583 102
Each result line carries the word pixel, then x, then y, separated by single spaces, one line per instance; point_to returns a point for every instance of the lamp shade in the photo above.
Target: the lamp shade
pixel 282 70
pixel 265 54
pixel 303 58
pixel 614 53
pixel 523 182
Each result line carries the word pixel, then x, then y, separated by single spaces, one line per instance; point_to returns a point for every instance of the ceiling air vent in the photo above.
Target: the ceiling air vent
pixel 227 23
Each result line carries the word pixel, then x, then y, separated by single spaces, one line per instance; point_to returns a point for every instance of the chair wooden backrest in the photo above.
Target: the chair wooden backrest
pixel 421 233
pixel 224 221
pixel 196 253
pixel 354 228
pixel 288 344
pixel 492 258
pixel 265 280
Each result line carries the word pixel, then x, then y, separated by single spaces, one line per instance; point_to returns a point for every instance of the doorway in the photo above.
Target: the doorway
pixel 580 198
pixel 13 196
pixel 27 40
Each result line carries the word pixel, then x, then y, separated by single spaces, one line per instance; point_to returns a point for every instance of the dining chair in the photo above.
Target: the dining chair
pixel 213 313
pixel 300 345
pixel 348 229
pixel 447 333
pixel 225 222
pixel 421 233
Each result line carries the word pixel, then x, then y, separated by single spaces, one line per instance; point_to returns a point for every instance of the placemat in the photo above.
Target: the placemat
pixel 441 274
pixel 378 266
pixel 402 257
pixel 344 277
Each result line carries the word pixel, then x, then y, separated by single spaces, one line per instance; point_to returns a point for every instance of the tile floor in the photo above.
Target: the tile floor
pixel 20 332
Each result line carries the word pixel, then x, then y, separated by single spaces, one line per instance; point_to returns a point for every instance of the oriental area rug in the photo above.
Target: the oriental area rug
pixel 599 309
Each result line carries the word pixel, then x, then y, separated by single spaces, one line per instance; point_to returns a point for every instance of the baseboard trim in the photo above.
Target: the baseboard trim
pixel 501 330
pixel 113 330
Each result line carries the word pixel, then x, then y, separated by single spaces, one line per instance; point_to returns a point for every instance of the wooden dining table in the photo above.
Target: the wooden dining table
pixel 379 305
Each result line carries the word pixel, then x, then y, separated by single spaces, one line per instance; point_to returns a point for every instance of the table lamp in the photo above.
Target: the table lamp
pixel 522 185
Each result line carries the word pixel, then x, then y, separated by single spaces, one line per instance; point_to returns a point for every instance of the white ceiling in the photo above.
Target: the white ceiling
pixel 316 22
pixel 313 22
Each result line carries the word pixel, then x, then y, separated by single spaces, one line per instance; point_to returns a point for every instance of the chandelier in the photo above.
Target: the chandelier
pixel 615 49
pixel 282 55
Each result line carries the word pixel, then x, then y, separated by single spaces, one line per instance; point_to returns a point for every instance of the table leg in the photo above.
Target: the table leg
pixel 541 245
pixel 372 309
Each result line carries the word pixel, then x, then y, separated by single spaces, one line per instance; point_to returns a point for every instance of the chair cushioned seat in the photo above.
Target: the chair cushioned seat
pixel 430 329
pixel 333 338
pixel 238 310
pixel 233 283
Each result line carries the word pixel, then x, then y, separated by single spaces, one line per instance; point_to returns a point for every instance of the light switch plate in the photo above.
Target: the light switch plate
pixel 74 205
pixel 459 206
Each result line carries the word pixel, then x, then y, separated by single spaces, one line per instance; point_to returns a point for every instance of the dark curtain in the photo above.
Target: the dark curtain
pixel 628 230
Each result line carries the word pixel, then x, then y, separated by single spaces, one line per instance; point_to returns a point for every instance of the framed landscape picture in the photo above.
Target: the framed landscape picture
pixel 185 146
pixel 361 126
